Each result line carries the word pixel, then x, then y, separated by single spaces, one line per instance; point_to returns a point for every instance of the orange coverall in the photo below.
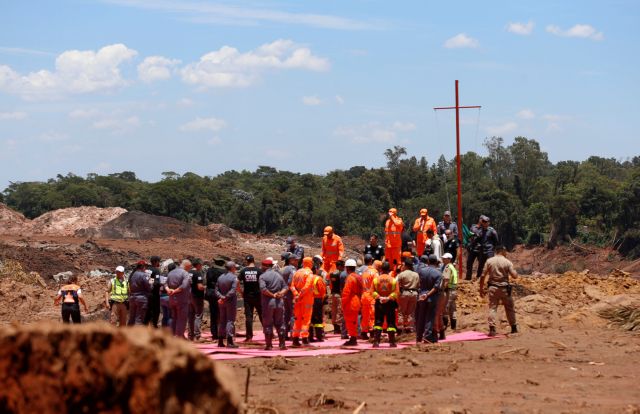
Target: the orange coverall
pixel 332 251
pixel 351 302
pixel 366 323
pixel 386 286
pixel 301 288
pixel 319 292
pixel 393 239
pixel 420 227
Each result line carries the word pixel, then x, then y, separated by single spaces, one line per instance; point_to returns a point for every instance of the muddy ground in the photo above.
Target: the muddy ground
pixel 566 358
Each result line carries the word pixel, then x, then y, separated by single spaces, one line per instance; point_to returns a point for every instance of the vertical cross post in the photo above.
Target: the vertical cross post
pixel 460 230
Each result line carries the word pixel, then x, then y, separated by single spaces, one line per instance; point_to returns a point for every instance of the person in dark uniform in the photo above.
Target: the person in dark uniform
pixel 153 309
pixel 430 283
pixel 481 246
pixel 249 278
pixel 214 272
pixel 294 248
pixel 196 307
pixel 139 292
pixel 374 249
pixel 336 298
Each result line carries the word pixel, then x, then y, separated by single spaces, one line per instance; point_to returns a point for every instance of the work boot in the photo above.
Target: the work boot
pixel 337 331
pixel 454 323
pixel 514 329
pixel 319 334
pixel 221 342
pixel 364 336
pixel 230 343
pixel 281 342
pixel 442 335
pixel 492 331
pixel 344 336
pixel 268 340
pixel 353 341
pixel 392 340
pixel 248 339
pixel 305 341
pixel 376 338
pixel 311 335
pixel 296 342
pixel 445 321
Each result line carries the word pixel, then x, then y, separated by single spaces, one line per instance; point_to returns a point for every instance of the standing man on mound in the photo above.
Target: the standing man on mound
pixel 393 238
pixel 332 249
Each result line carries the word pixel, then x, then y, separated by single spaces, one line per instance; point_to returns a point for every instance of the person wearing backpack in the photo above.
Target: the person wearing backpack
pixel 71 297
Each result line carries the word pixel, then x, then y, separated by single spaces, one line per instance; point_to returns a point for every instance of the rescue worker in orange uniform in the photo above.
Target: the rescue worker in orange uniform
pixel 351 294
pixel 385 294
pixel 332 249
pixel 319 288
pixel 301 289
pixel 420 227
pixel 367 312
pixel 393 238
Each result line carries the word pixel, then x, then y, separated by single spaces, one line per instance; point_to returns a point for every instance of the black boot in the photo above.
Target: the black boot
pixel 364 336
pixel 492 331
pixel 320 334
pixel 445 321
pixel 230 343
pixel 442 335
pixel 296 342
pixel 268 340
pixel 311 334
pixel 336 330
pixel 353 341
pixel 376 338
pixel 454 323
pixel 392 339
pixel 221 342
pixel 305 341
pixel 514 329
pixel 281 341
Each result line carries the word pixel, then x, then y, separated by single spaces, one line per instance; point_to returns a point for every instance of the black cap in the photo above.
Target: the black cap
pixel 153 259
pixel 433 259
pixel 368 257
pixel 285 256
pixel 424 258
pixel 249 258
pixel 340 262
pixel 196 262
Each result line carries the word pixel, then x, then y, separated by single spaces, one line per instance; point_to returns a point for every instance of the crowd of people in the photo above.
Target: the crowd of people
pixel 408 284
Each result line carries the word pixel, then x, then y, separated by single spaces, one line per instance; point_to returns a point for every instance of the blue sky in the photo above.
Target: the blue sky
pixel 307 86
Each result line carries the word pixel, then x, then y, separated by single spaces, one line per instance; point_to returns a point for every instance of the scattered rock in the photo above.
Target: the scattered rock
pixel 62 276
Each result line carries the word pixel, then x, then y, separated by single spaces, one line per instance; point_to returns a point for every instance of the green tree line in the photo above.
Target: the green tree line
pixel 529 199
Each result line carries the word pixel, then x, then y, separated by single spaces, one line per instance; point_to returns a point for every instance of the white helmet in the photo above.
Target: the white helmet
pixel 350 263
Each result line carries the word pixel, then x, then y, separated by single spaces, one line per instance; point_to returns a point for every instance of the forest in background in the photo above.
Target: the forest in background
pixel 529 199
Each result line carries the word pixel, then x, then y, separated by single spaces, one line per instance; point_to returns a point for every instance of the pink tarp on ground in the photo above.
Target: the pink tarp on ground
pixel 331 346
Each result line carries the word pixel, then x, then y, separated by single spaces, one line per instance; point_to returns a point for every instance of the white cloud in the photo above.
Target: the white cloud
pixel 204 124
pixel 374 132
pixel 227 67
pixel 185 102
pixel 154 68
pixel 75 72
pixel 526 114
pixel 12 116
pixel 311 100
pixel 461 40
pixel 504 129
pixel 117 125
pixel 235 14
pixel 556 117
pixel 522 29
pixel 83 113
pixel 404 126
pixel 214 141
pixel 339 100
pixel 52 136
pixel 584 31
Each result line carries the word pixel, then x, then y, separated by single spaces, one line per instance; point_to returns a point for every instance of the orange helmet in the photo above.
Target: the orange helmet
pixel 406 254
pixel 377 264
pixel 424 212
pixel 307 262
pixel 328 230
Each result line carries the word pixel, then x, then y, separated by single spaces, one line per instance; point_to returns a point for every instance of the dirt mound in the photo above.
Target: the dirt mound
pixel 98 368
pixel 220 231
pixel 143 226
pixel 12 222
pixel 69 221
